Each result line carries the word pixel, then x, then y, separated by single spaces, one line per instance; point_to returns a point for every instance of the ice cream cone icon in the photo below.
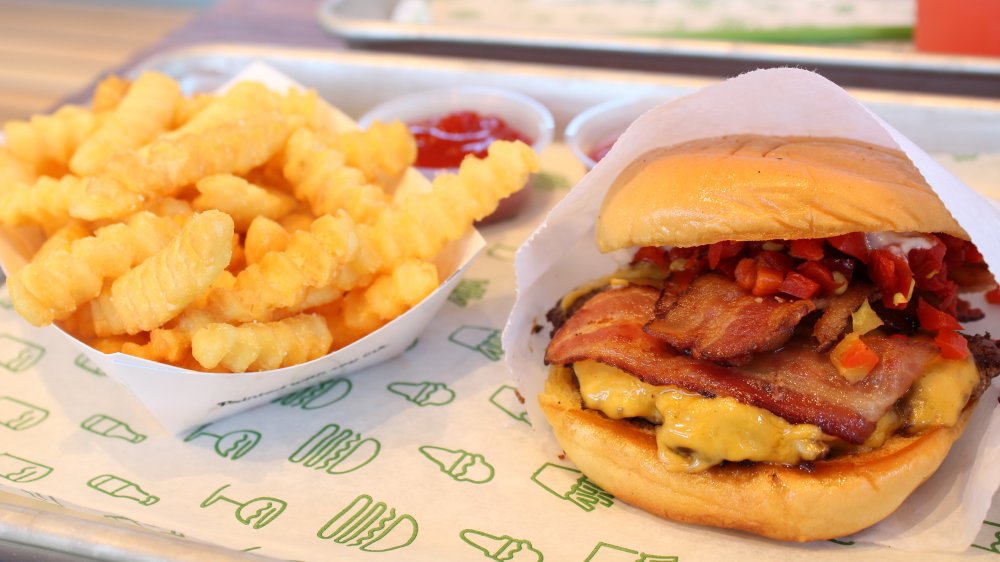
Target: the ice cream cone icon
pixel 503 548
pixel 571 485
pixel 317 396
pixel 606 552
pixel 17 355
pixel 462 466
pixel 18 415
pixel 370 526
pixel 479 338
pixel 424 393
pixel 336 450
pixel 507 399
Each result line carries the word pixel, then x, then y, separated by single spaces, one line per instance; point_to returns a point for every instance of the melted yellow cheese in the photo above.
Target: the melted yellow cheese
pixel 695 433
pixel 640 274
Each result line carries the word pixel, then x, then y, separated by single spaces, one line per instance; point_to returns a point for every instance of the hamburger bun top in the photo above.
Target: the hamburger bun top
pixel 754 187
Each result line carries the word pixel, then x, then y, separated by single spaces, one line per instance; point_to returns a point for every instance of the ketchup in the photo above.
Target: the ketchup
pixel 442 142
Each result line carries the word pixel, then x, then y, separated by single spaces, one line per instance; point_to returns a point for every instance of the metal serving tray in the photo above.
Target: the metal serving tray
pixel 367 23
pixel 358 81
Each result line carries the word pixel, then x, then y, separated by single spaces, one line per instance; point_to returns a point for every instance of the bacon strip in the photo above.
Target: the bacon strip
pixel 717 319
pixel 837 314
pixel 797 383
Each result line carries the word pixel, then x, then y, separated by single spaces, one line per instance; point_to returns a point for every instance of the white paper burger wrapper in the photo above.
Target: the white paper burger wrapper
pixel 945 513
pixel 181 398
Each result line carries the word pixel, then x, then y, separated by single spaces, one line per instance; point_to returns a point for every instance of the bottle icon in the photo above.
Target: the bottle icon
pixel 571 485
pixel 502 548
pixel 462 466
pixel 607 552
pixel 17 469
pixel 256 513
pixel 232 445
pixel 112 428
pixel 317 396
pixel 18 415
pixel 118 487
pixel 479 338
pixel 370 526
pixel 511 403
pixel 17 355
pixel 84 362
pixel 423 393
pixel 336 450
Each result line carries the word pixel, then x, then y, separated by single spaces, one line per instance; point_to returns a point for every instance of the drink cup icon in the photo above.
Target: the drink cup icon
pixel 336 450
pixel 231 445
pixel 370 526
pixel 256 513
pixel 571 485
pixel 507 399
pixel 503 548
pixel 317 396
pixel 17 355
pixel 424 393
pixel 112 428
pixel 462 466
pixel 17 469
pixel 118 487
pixel 479 338
pixel 18 415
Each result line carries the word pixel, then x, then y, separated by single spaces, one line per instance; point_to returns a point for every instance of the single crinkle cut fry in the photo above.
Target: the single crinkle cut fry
pixel 264 236
pixel 158 289
pixel 243 100
pixel 261 346
pixel 65 274
pixel 382 151
pixel 109 93
pixel 241 199
pixel 46 201
pixel 318 114
pixel 320 175
pixel 146 111
pixel 48 141
pixel 365 310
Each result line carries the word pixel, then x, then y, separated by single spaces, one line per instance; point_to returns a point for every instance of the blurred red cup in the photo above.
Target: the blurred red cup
pixel 969 27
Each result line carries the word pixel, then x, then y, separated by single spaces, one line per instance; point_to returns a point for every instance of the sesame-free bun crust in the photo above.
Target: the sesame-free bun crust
pixel 837 498
pixel 753 187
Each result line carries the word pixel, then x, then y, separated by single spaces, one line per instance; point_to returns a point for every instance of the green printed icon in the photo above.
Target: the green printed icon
pixel 502 252
pixel 508 399
pixel 571 485
pixel 462 466
pixel 42 498
pixel 118 487
pixel 479 338
pixel 18 415
pixel 370 526
pixel 107 426
pixel 501 548
pixel 84 362
pixel 336 450
pixel 231 445
pixel 317 396
pixel 468 290
pixel 17 355
pixel 424 393
pixel 256 513
pixel 17 469
pixel 130 521
pixel 607 552
pixel 989 527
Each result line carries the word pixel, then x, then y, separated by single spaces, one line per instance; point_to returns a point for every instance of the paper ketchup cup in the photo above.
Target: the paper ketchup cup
pixel 943 514
pixel 182 398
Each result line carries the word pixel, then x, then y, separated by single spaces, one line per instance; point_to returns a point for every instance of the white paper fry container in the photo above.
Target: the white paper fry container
pixel 946 512
pixel 181 398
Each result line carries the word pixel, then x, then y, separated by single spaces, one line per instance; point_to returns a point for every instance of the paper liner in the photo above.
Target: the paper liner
pixel 561 254
pixel 181 398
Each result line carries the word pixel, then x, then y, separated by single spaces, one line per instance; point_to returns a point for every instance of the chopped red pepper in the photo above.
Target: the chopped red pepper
pixel 746 273
pixel 852 244
pixel 798 285
pixel 722 250
pixel 820 274
pixel 932 319
pixel 993 295
pixel 859 355
pixel 776 260
pixel 892 275
pixel 653 255
pixel 807 249
pixel 952 344
pixel 768 281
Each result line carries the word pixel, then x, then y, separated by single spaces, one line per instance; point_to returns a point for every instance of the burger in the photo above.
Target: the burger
pixel 782 355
